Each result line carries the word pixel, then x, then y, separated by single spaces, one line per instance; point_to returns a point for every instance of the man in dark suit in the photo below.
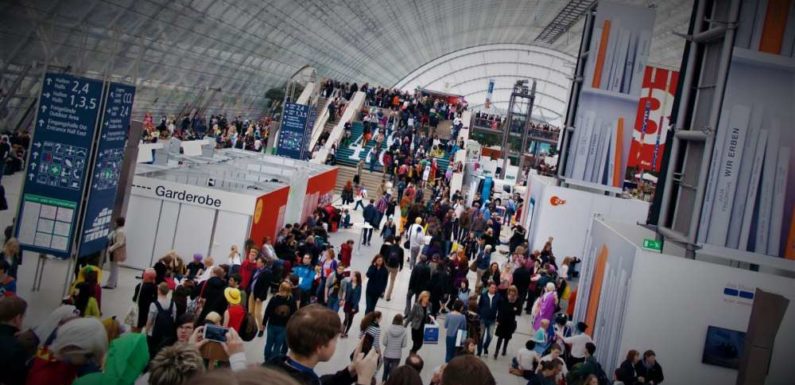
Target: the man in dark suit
pixel 487 310
pixel 419 281
pixel 370 217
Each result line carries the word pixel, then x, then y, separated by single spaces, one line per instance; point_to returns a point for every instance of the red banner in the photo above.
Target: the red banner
pixel 653 118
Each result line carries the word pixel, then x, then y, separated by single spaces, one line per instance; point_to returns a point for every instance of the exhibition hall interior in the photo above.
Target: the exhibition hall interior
pixel 540 192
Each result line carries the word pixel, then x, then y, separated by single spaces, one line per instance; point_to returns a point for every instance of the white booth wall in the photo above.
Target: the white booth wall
pixel 569 217
pixel 665 303
pixel 157 225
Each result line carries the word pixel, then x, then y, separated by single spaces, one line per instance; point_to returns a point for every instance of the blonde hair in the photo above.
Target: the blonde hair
pixel 424 294
pixel 418 220
pixel 285 289
pixel 175 365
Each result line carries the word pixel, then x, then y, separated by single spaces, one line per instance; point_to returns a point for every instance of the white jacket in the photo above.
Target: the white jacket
pixel 416 238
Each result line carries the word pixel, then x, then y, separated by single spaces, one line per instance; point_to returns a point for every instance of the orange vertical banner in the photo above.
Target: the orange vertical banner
pixel 596 287
pixel 600 57
pixel 618 173
pixel 775 24
pixel 789 249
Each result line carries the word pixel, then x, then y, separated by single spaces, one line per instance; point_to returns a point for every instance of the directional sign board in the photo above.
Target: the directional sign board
pixel 106 168
pixel 292 132
pixel 310 124
pixel 66 121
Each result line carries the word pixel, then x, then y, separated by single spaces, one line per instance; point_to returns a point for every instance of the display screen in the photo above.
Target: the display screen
pixel 723 347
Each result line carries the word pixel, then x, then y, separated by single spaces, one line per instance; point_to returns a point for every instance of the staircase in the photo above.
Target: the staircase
pixel 350 154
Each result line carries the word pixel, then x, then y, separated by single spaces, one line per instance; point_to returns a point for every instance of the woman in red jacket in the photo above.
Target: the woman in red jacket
pixel 346 251
pixel 247 267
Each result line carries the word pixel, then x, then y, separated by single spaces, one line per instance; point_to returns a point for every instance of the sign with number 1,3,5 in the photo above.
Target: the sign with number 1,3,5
pixel 66 120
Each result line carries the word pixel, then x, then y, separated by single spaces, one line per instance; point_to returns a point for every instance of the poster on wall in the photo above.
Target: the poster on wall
pixel 598 150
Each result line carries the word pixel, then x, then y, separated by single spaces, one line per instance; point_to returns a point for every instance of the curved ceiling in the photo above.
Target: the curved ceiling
pixel 467 72
pixel 224 54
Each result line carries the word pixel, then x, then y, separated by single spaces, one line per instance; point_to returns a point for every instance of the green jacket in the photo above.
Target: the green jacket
pixel 126 359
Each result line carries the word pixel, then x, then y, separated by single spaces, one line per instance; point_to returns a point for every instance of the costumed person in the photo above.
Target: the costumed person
pixel 545 305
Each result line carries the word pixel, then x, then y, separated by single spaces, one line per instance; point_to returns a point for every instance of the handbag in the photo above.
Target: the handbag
pixel 431 334
pixel 132 315
pixel 406 245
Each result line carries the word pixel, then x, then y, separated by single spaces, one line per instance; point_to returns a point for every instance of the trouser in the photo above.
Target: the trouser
pixel 357 205
pixel 255 309
pixel 334 304
pixel 456 228
pixel 417 336
pixel 392 276
pixel 485 338
pixel 389 364
pixel 346 324
pixel 113 277
pixel 500 342
pixel 274 342
pixel 450 352
pixel 409 295
pixel 371 300
pixel 478 275
pixel 320 292
pixel 414 251
pixel 366 235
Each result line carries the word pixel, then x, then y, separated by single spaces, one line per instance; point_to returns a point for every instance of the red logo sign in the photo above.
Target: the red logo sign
pixel 555 201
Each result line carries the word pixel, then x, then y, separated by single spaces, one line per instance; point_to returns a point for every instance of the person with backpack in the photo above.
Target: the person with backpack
pixel 389 229
pixel 394 262
pixel 279 310
pixel 161 326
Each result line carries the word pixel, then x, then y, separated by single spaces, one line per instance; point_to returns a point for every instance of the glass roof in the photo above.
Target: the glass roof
pixel 224 55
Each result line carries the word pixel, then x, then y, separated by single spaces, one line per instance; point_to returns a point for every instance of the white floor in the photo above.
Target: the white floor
pixel 116 302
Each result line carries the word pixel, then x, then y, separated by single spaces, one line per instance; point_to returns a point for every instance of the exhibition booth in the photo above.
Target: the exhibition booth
pixel 566 214
pixel 311 184
pixel 198 211
pixel 694 314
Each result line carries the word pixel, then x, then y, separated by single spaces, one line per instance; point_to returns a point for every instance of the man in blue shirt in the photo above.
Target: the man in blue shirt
pixel 487 310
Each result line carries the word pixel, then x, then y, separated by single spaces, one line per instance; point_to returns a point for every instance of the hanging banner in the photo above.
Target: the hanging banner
pixel 489 94
pixel 67 115
pixel 106 169
pixel 652 120
pixel 292 135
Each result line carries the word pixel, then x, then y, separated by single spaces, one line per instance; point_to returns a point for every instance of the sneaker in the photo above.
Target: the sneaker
pixel 261 333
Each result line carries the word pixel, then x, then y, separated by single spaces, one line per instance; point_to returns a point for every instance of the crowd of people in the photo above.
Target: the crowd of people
pixel 402 127
pixel 300 293
pixel 240 133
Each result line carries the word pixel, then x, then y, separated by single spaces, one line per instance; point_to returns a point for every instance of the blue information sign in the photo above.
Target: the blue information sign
pixel 61 147
pixel 310 123
pixel 292 132
pixel 106 170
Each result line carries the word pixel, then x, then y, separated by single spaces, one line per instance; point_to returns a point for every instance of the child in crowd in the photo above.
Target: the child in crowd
pixel 346 219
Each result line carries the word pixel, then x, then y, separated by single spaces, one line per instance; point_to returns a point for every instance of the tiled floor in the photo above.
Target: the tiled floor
pixel 117 302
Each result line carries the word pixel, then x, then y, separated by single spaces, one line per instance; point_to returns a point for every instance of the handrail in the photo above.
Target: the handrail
pixel 353 108
pixel 320 124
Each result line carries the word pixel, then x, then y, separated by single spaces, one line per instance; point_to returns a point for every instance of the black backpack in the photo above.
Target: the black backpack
pixel 248 328
pixel 164 329
pixel 394 257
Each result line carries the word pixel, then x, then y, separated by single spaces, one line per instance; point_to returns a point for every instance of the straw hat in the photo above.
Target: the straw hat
pixel 232 295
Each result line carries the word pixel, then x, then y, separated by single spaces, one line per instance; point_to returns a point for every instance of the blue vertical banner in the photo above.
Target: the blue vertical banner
pixel 65 125
pixel 293 131
pixel 310 124
pixel 106 169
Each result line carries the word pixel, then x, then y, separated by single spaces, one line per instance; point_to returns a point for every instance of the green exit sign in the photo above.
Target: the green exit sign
pixel 652 244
